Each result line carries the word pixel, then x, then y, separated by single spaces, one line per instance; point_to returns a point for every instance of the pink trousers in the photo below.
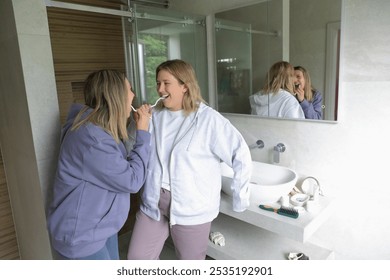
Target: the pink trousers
pixel 149 236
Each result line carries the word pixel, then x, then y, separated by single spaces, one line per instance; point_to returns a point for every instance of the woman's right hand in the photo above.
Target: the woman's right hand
pixel 142 117
pixel 300 93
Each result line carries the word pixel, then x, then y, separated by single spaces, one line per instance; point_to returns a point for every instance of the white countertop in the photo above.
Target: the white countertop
pixel 300 229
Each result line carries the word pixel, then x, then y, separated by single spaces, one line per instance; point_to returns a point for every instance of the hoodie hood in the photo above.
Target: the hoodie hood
pixel 73 111
pixel 259 103
pixel 259 99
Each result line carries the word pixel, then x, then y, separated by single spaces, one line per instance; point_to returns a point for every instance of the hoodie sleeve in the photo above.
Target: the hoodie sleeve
pixel 313 110
pixel 106 167
pixel 233 150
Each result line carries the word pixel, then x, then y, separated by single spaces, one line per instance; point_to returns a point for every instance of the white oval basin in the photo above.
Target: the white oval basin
pixel 268 182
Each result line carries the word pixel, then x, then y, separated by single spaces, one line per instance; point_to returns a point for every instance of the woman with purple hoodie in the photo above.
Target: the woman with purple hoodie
pixel 95 174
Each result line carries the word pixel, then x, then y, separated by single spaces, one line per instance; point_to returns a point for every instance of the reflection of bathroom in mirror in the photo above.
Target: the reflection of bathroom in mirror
pixel 249 39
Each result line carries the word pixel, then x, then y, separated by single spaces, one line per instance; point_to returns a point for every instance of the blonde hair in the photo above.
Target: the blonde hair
pixel 279 76
pixel 185 74
pixel 105 92
pixel 309 89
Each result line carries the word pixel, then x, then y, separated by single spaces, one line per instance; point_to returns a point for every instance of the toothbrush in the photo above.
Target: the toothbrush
pixel 285 211
pixel 155 103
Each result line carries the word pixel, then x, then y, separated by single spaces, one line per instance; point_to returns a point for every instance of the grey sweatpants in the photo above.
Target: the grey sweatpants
pixel 149 235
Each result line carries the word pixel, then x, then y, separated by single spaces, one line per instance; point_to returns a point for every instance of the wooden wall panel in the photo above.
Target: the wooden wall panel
pixel 112 4
pixel 8 242
pixel 82 42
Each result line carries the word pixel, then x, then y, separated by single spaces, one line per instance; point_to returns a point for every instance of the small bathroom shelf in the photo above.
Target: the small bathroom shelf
pixel 300 229
pixel 248 242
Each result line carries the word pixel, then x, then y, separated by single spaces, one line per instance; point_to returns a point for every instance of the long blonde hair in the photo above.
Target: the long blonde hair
pixel 279 76
pixel 106 93
pixel 185 74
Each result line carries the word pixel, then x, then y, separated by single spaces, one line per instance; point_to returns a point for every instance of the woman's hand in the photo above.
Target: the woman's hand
pixel 300 93
pixel 142 117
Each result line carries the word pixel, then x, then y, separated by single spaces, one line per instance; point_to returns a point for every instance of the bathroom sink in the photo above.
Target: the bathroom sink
pixel 268 182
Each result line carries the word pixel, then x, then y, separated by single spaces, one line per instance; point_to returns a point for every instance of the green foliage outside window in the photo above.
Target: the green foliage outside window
pixel 155 51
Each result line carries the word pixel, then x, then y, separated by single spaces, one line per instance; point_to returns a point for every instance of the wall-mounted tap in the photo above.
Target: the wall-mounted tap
pixel 279 148
pixel 259 144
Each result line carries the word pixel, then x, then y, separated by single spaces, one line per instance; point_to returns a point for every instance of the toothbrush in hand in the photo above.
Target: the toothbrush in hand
pixel 161 98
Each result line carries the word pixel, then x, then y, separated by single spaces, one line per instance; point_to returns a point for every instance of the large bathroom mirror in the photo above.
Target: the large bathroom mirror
pixel 250 39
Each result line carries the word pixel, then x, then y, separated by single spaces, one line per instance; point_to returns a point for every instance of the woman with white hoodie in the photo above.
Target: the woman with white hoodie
pixel 181 195
pixel 277 99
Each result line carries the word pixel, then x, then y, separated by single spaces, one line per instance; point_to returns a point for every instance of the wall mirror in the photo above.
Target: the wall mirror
pixel 249 39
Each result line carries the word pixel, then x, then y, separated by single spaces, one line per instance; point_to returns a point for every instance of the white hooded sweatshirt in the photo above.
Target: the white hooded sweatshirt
pixel 204 140
pixel 279 105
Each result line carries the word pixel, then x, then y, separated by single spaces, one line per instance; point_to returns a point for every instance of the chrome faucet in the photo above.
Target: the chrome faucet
pixel 279 148
pixel 259 144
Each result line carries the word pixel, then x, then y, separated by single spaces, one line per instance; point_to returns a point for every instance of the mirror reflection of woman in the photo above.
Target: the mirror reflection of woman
pixel 308 97
pixel 276 99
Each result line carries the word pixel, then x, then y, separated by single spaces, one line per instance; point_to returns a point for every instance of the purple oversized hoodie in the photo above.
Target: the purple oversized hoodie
pixel 94 179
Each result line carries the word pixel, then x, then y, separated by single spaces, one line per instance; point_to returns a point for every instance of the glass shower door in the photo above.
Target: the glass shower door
pixel 234 65
pixel 154 35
